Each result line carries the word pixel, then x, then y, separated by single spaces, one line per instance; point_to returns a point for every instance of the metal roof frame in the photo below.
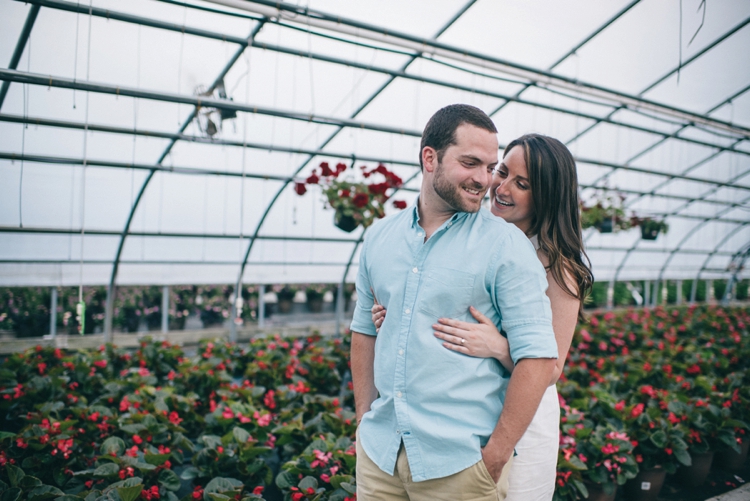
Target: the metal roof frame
pixel 266 11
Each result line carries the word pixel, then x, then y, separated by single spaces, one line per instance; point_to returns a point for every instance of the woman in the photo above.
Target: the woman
pixel 535 187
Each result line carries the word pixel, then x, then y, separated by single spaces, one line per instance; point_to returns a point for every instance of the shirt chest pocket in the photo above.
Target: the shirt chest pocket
pixel 446 293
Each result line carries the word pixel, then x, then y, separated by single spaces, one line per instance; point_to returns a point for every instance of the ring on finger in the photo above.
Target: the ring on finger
pixel 463 341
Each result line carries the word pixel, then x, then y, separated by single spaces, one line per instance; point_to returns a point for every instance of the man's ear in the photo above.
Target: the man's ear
pixel 429 158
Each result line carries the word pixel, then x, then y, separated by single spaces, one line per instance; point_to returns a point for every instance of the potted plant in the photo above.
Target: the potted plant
pixel 286 296
pixel 355 202
pixel 659 444
pixel 605 213
pixel 650 228
pixel 315 297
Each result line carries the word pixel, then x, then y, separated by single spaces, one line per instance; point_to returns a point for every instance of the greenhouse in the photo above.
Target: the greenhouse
pixel 181 178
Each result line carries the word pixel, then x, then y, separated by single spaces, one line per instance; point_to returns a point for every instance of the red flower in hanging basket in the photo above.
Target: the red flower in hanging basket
pixel 355 202
pixel 399 204
pixel 360 200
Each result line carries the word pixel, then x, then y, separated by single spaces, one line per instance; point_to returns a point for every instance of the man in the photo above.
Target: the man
pixel 432 423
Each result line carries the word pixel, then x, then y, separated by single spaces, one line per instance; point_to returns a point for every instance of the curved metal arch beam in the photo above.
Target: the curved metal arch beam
pixel 310 55
pixel 716 248
pixel 635 157
pixel 573 50
pixel 327 141
pixel 274 8
pixel 669 73
pixel 109 308
pixel 687 236
pixel 674 213
pixel 28 25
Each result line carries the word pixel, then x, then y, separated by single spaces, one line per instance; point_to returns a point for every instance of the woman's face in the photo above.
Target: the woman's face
pixel 511 192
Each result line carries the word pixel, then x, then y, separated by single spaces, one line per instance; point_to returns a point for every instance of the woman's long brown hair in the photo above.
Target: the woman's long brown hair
pixel 557 219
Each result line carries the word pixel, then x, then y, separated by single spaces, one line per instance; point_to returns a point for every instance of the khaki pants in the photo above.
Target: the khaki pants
pixel 472 484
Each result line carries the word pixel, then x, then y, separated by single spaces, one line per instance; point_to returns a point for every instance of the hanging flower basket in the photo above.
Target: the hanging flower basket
pixel 605 213
pixel 344 222
pixel 650 228
pixel 355 203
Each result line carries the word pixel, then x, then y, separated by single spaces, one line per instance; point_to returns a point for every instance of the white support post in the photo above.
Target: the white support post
pixel 165 308
pixel 710 291
pixel 340 307
pixel 646 293
pixel 655 294
pixel 262 306
pixel 664 291
pixel 53 313
pixel 694 291
pixel 611 294
pixel 679 292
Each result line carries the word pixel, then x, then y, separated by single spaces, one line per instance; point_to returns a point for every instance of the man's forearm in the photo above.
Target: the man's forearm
pixel 527 385
pixel 363 372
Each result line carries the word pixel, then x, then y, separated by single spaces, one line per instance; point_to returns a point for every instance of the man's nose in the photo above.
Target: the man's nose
pixel 483 179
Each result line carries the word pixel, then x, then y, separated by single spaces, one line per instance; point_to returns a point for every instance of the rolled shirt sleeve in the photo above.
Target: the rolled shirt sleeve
pixel 519 283
pixel 362 319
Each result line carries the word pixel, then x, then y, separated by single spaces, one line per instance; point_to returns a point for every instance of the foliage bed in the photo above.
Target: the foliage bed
pixel 273 419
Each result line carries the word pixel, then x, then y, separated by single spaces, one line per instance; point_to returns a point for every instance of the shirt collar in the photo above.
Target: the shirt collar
pixel 451 220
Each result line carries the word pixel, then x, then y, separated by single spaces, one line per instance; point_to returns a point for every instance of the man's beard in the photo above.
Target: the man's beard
pixel 451 194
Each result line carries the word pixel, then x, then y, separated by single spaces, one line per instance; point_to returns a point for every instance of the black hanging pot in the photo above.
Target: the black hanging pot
pixel 649 233
pixel 606 226
pixel 344 222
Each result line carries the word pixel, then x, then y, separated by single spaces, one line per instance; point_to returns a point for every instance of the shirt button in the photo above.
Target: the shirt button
pixel 400 352
pixel 419 235
pixel 407 311
pixel 415 270
pixel 449 225
pixel 398 394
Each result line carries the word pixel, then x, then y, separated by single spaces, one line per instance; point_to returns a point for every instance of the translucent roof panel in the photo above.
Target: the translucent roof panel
pixel 158 141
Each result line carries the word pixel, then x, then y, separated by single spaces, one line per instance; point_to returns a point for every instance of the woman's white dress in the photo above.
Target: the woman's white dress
pixel 534 469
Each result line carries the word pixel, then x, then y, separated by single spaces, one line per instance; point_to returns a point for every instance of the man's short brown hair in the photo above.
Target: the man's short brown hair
pixel 440 131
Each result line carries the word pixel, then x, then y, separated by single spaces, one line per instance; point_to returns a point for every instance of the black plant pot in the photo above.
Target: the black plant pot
pixel 606 226
pixel 344 222
pixel 649 233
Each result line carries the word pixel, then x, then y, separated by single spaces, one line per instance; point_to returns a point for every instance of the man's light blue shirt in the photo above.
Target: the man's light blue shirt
pixel 442 404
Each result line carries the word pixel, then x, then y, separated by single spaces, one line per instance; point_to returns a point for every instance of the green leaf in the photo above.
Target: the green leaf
pixel 581 488
pixel 107 470
pixel 210 441
pixel 683 457
pixel 240 435
pixel 219 485
pixel 68 497
pixel 350 488
pixel 160 406
pixel 44 492
pixel 128 482
pixel 156 459
pixel 169 480
pixel 337 480
pixel 6 434
pixel 189 473
pixel 15 474
pixel 29 482
pixel 130 493
pixel 308 482
pixel 113 446
pixel 132 429
pixel 11 494
pixel 215 496
pixel 285 480
pixel 659 439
